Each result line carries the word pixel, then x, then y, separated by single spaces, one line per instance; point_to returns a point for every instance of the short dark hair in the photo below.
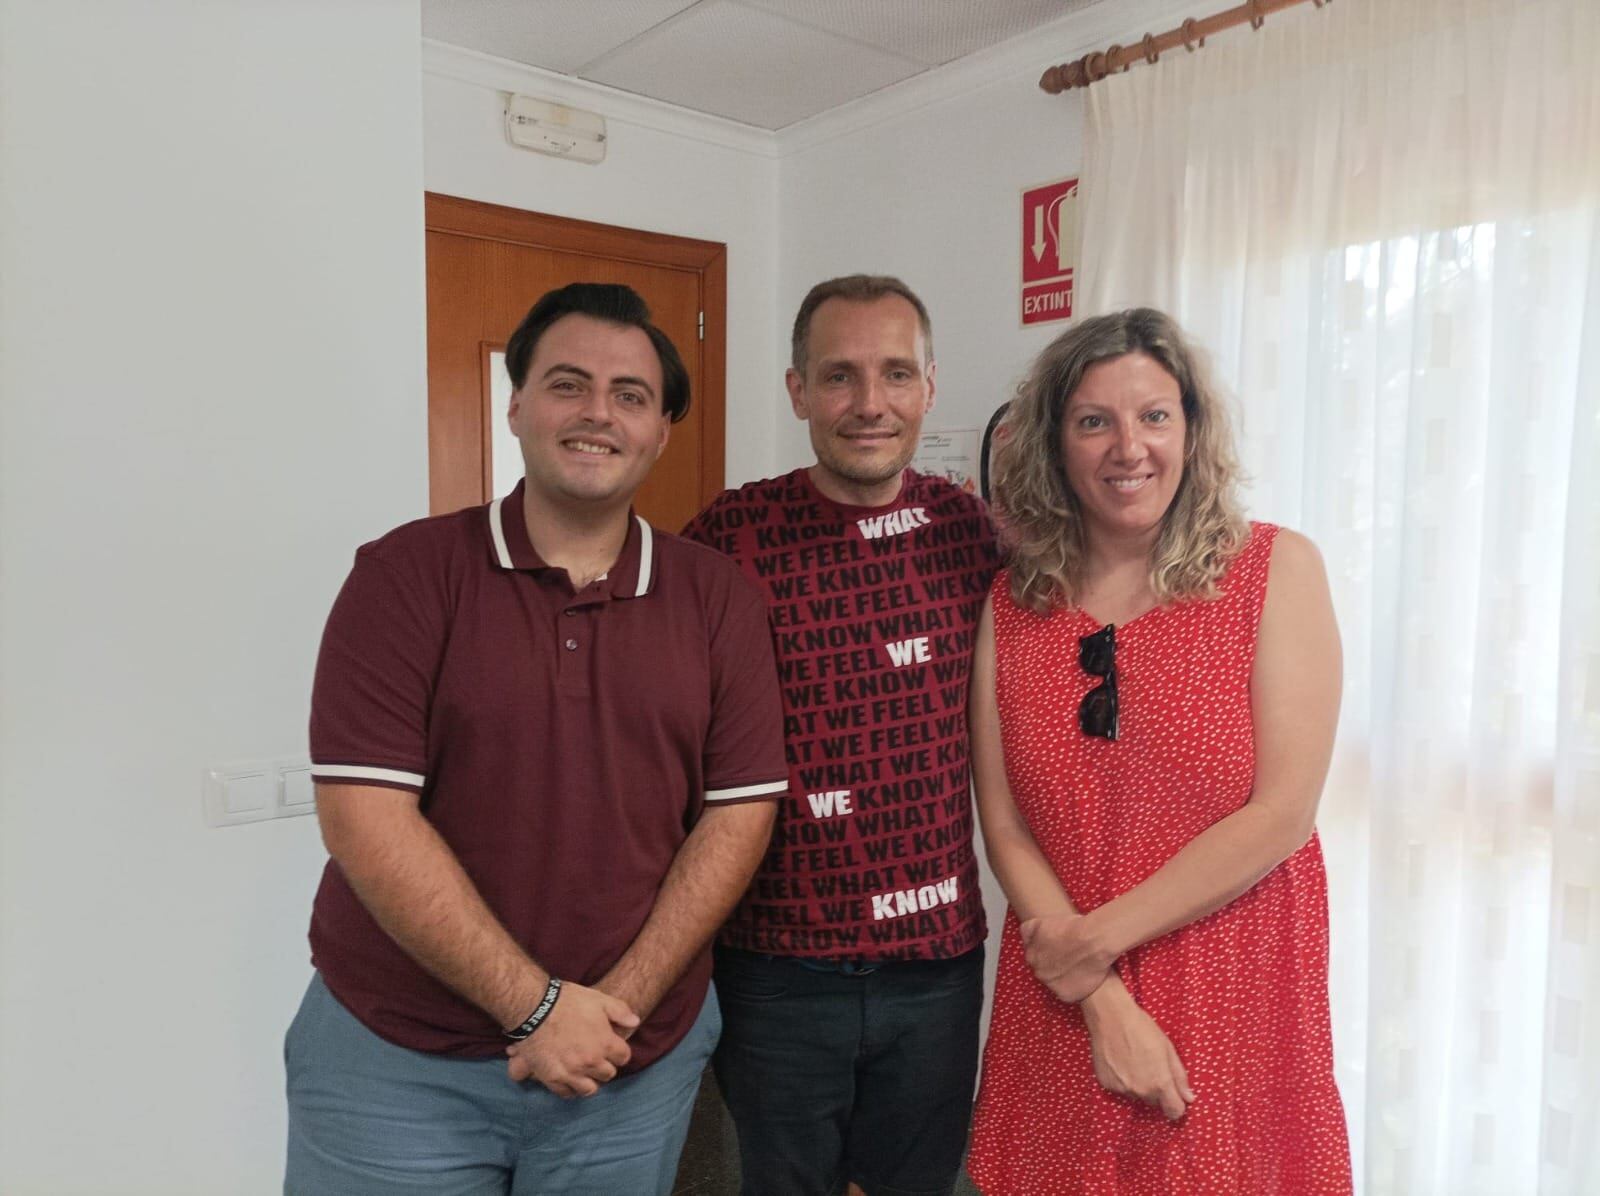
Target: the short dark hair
pixel 853 288
pixel 615 304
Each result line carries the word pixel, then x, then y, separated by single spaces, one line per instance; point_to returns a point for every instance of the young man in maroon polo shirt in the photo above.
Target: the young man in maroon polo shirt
pixel 851 974
pixel 546 742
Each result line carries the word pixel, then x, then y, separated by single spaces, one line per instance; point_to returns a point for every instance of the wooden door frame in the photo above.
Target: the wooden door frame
pixel 447 422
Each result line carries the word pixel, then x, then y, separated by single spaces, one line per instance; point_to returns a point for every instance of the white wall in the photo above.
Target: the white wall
pixel 665 171
pixel 211 390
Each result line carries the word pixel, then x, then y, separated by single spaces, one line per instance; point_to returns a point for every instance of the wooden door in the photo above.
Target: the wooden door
pixel 488 264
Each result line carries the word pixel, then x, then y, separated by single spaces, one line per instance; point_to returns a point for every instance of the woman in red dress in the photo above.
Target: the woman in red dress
pixel 1154 697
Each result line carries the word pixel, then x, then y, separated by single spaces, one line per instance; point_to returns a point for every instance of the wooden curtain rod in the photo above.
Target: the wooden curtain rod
pixel 1191 35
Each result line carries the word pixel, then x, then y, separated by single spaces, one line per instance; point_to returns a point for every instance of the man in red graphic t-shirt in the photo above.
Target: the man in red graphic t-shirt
pixel 534 838
pixel 850 976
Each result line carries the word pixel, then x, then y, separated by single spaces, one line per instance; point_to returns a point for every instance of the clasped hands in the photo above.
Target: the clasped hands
pixel 1132 1055
pixel 1063 953
pixel 579 1047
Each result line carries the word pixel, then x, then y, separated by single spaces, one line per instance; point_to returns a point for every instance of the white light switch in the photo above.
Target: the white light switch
pixel 249 794
pixel 299 795
pixel 255 790
pixel 244 792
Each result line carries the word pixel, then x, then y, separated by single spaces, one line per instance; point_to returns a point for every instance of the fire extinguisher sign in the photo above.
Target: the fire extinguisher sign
pixel 1049 250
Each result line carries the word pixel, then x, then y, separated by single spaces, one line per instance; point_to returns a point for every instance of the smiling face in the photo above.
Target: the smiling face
pixel 866 386
pixel 1122 446
pixel 588 413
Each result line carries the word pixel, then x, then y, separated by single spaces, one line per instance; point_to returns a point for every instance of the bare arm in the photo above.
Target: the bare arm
pixel 1294 699
pixel 415 888
pixel 1132 1056
pixel 708 876
pixel 1030 883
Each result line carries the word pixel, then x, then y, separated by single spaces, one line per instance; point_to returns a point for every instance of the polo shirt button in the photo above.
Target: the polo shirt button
pixel 571 610
pixel 572 645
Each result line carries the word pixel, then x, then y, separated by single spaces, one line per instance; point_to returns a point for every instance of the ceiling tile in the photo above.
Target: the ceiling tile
pixel 558 35
pixel 931 31
pixel 748 64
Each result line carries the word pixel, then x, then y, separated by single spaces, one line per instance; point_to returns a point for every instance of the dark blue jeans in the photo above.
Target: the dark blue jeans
pixel 836 1076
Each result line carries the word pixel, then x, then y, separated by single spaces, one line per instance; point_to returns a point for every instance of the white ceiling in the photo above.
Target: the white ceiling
pixel 767 63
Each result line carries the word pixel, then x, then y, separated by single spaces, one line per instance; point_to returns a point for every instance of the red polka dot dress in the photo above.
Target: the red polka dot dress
pixel 1242 993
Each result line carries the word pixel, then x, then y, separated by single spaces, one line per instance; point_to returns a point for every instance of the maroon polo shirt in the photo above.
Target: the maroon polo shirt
pixel 563 745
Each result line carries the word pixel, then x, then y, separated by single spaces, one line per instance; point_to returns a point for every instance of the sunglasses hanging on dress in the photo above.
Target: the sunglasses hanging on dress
pixel 1097 655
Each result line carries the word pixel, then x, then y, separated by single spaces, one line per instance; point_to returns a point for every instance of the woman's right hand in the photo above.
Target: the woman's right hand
pixel 1132 1055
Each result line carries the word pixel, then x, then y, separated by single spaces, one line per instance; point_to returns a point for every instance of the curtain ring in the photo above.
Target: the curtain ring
pixel 1257 17
pixel 1094 66
pixel 1111 59
pixel 1151 55
pixel 1189 42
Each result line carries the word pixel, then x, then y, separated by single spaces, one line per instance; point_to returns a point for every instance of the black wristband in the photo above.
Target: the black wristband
pixel 536 1018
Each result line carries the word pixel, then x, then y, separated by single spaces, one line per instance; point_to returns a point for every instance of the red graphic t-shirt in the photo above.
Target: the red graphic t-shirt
pixel 874 612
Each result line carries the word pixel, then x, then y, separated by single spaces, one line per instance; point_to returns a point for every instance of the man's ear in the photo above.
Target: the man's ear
pixel 796 384
pixel 666 432
pixel 932 366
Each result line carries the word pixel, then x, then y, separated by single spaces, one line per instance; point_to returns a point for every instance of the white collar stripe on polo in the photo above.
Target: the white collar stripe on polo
pixel 646 547
pixel 646 557
pixel 502 554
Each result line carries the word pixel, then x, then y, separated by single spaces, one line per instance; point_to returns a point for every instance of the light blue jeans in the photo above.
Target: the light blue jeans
pixel 368 1117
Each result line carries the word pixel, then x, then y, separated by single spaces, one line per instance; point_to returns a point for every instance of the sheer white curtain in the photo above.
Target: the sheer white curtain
pixel 1383 219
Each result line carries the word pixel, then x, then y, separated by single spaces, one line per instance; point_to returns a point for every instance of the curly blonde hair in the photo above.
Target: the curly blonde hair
pixel 1041 517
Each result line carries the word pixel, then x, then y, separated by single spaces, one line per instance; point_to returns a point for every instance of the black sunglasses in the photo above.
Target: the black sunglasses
pixel 1097 655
